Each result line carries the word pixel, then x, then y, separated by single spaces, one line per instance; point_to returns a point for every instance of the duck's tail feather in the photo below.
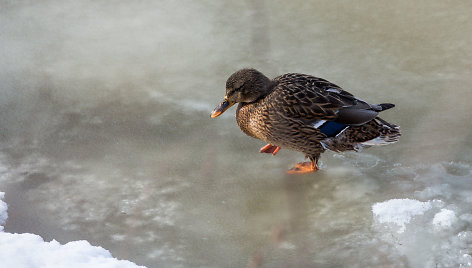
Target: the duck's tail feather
pixel 376 132
pixel 388 133
pixel 386 106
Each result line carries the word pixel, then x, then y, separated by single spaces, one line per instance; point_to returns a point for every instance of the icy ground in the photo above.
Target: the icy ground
pixel 31 251
pixel 105 133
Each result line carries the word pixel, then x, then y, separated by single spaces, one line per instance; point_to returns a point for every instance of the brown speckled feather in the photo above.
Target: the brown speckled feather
pixel 308 97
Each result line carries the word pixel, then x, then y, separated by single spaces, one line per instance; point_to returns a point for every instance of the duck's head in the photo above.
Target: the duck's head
pixel 245 86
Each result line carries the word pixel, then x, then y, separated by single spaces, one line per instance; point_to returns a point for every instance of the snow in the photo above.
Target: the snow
pixel 399 211
pixel 3 211
pixel 30 250
pixel 444 219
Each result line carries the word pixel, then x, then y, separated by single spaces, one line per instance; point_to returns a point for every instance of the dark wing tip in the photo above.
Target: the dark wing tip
pixel 355 117
pixel 386 106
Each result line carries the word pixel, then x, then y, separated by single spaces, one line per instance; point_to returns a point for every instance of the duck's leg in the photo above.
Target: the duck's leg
pixel 302 168
pixel 270 149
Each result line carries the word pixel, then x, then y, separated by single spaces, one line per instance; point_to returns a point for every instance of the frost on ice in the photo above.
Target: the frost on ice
pixel 30 250
pixel 399 211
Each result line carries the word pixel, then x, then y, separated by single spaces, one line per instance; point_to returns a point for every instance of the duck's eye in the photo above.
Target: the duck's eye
pixel 239 88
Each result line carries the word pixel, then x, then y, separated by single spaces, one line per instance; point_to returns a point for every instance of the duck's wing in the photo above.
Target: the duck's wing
pixel 309 98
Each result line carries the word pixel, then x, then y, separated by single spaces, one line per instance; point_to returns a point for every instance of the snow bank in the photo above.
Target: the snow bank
pixel 31 251
pixel 399 211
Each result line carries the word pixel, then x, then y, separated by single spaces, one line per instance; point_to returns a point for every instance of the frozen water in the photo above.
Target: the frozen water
pixel 30 250
pixel 105 133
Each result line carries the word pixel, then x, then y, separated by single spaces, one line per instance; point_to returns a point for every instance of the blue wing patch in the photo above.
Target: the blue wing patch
pixel 331 128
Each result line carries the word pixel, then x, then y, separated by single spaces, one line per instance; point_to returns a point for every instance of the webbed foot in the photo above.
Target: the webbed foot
pixel 302 168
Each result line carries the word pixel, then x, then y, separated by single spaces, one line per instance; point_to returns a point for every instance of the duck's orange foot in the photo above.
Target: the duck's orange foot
pixel 270 149
pixel 302 168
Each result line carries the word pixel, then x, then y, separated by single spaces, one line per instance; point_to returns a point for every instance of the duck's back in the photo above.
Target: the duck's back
pixel 306 97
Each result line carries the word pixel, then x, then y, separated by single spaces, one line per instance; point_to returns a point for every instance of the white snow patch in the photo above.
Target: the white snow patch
pixel 399 211
pixel 444 219
pixel 3 211
pixel 30 250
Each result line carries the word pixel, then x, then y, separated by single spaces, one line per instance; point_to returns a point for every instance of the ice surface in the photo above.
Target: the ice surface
pixel 31 251
pixel 399 211
pixel 105 132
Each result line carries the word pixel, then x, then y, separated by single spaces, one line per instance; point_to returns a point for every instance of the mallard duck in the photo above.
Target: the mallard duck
pixel 304 113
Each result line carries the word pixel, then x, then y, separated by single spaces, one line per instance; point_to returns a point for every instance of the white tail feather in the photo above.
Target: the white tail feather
pixel 392 135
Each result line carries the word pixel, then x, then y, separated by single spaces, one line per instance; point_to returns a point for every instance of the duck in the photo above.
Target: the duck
pixel 304 113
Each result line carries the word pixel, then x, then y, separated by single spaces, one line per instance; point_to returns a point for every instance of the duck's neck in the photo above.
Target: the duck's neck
pixel 270 86
pixel 266 88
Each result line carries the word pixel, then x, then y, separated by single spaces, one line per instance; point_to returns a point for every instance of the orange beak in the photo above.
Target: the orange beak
pixel 221 108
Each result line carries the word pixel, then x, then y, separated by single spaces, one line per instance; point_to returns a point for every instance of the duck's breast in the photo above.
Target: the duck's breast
pixel 251 120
